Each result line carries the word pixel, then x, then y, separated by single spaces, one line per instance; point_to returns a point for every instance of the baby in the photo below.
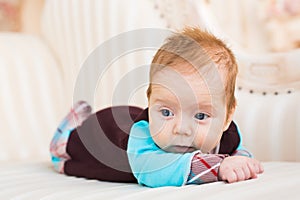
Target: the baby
pixel 185 136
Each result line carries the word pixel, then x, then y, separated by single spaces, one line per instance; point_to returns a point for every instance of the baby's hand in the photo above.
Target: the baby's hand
pixel 239 168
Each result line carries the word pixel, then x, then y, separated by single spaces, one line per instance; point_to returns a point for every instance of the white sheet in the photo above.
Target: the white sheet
pixel 32 181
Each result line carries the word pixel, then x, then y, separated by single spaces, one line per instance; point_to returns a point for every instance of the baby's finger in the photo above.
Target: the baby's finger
pixel 240 176
pixel 247 172
pixel 231 177
pixel 252 169
pixel 260 168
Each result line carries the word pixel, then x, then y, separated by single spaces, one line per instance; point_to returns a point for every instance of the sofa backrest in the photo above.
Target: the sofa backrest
pixel 32 97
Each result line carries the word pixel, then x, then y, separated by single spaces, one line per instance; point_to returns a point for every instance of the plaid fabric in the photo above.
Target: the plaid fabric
pixel 80 112
pixel 205 168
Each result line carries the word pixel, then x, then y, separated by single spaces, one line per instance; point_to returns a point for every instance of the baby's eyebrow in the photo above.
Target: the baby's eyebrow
pixel 165 101
pixel 207 107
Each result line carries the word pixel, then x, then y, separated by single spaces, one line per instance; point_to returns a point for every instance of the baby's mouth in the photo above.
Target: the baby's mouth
pixel 180 149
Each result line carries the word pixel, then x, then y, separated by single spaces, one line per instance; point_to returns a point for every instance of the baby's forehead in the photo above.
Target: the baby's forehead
pixel 186 94
pixel 210 73
pixel 189 80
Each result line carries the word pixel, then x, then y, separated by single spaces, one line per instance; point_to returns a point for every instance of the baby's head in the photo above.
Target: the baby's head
pixel 191 92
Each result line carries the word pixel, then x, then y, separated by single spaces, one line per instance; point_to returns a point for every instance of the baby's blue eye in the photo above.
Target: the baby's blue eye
pixel 201 116
pixel 166 113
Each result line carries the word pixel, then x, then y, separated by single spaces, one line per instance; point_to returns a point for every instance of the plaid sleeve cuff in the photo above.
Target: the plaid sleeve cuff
pixel 205 168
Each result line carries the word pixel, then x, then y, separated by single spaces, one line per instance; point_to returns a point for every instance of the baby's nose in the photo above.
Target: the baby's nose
pixel 183 128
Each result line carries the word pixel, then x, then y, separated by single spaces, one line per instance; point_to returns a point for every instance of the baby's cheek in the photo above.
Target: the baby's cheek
pixel 208 138
pixel 156 126
pixel 209 144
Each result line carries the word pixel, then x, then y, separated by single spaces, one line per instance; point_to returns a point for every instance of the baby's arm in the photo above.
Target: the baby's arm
pixel 238 166
pixel 207 168
pixel 154 167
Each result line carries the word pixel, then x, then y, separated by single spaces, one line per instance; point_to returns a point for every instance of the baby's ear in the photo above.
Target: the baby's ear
pixel 229 120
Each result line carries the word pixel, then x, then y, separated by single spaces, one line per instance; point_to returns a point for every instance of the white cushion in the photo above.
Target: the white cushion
pixel 39 181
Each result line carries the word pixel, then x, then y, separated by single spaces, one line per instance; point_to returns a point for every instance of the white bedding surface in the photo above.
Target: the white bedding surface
pixel 281 180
